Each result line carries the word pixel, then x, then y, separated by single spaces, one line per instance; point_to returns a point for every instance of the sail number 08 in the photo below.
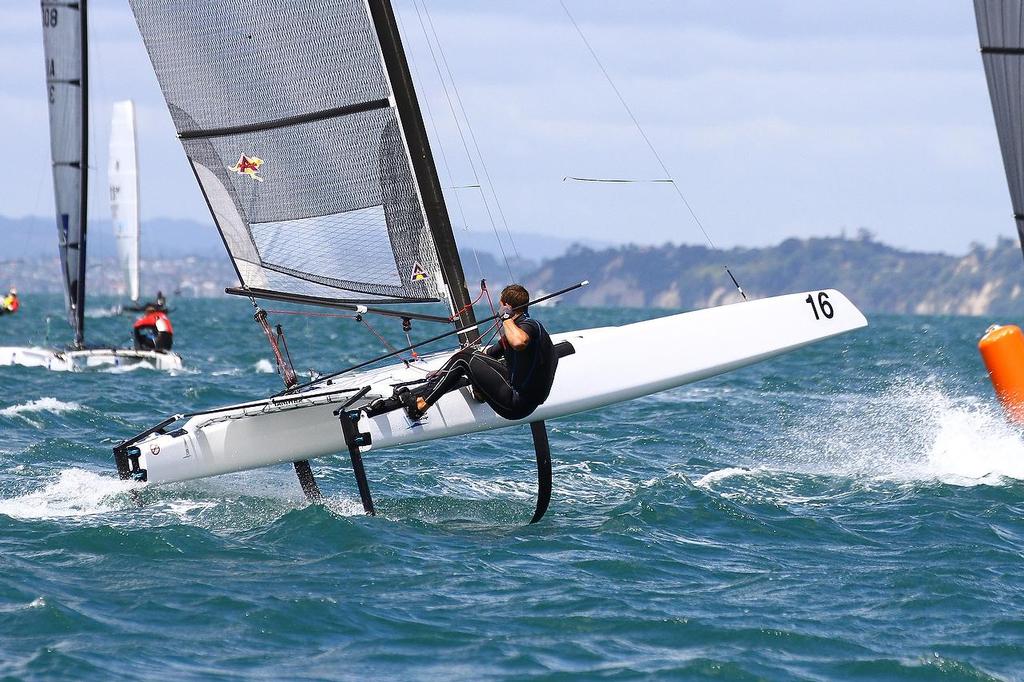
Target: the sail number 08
pixel 49 17
pixel 823 305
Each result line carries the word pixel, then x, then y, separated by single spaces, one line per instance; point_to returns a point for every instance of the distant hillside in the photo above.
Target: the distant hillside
pixel 877 277
pixel 36 237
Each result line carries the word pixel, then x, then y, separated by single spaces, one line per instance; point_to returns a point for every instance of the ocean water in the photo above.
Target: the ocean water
pixel 852 511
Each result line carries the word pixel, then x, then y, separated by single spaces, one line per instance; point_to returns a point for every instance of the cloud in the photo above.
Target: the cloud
pixel 777 117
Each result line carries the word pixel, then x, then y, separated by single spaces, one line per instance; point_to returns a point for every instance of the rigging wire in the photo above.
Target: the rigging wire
pixel 444 156
pixel 469 126
pixel 462 136
pixel 647 140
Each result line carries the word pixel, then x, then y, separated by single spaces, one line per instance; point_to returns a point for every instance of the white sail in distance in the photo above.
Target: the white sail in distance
pixel 67 88
pixel 123 176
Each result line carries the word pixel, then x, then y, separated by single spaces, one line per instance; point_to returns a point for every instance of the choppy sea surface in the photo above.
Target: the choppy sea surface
pixel 852 511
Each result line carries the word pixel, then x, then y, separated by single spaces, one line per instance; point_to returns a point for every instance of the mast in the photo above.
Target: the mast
pixel 65 46
pixel 425 171
pixel 84 202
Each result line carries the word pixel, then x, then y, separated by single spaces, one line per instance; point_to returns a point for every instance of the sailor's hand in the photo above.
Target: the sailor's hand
pixel 505 313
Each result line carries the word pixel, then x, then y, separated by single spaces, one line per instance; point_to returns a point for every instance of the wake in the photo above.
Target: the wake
pixel 907 433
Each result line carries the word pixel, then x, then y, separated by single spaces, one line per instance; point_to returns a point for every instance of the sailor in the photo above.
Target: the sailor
pixel 153 331
pixel 513 376
pixel 9 303
pixel 161 302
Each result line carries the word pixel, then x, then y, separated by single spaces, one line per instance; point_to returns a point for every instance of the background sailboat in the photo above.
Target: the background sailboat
pixel 123 178
pixel 313 156
pixel 65 42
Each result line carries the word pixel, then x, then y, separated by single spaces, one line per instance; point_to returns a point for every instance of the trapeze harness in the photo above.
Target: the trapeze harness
pixel 514 388
pixel 153 331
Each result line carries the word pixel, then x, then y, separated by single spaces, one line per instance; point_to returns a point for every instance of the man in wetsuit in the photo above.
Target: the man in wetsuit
pixel 153 331
pixel 513 376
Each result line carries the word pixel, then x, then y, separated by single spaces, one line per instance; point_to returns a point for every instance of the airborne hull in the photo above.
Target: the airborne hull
pixel 93 358
pixel 608 365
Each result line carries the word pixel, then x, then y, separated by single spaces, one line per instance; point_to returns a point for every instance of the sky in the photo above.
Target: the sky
pixel 776 118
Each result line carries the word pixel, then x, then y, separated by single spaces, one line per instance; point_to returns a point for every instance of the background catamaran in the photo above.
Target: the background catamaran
pixel 306 137
pixel 65 40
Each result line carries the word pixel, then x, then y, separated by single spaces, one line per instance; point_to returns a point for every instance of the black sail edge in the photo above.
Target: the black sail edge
pixel 425 171
pixel 84 170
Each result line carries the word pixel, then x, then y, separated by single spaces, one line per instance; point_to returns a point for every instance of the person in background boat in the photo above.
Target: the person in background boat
pixel 153 331
pixel 9 303
pixel 161 302
pixel 513 376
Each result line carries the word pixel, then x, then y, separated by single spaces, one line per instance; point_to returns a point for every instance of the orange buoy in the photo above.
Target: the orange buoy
pixel 1002 349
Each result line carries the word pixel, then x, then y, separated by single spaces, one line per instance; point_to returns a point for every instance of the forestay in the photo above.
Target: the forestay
pixel 288 115
pixel 65 50
pixel 122 173
pixel 1001 30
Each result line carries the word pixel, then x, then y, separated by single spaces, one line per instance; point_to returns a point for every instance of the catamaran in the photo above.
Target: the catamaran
pixel 65 32
pixel 302 126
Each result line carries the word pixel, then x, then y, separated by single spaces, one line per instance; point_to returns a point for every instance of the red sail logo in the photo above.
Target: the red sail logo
pixel 248 165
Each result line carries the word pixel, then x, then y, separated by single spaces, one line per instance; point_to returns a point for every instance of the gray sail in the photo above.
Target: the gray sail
pixel 1001 30
pixel 287 115
pixel 65 48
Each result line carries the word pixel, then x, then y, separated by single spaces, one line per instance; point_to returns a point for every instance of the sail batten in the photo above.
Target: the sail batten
pixel 1001 34
pixel 287 115
pixel 65 47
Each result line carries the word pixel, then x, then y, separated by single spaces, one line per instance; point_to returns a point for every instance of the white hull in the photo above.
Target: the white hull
pixel 610 365
pixel 93 358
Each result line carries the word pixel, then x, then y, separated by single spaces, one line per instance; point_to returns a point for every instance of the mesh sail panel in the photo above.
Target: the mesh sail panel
pixel 1001 30
pixel 283 110
pixel 62 46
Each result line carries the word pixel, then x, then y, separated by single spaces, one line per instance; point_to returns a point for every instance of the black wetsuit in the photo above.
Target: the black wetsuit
pixel 515 387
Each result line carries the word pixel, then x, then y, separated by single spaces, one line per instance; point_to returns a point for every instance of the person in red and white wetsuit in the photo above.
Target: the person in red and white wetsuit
pixel 153 331
pixel 9 303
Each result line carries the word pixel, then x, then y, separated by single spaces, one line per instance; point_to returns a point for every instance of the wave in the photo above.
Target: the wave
pixel 100 313
pixel 264 366
pixel 75 493
pixel 908 432
pixel 46 404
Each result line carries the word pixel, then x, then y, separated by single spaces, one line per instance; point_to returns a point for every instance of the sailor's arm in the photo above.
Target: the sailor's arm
pixel 516 338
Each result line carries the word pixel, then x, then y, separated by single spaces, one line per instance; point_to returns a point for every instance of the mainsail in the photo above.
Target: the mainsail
pixel 122 173
pixel 65 47
pixel 1001 30
pixel 301 124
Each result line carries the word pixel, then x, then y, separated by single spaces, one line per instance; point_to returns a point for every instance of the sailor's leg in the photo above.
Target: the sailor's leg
pixel 490 379
pixel 448 377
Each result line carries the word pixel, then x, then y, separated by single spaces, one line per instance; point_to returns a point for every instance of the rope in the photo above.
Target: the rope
pixel 304 313
pixel 469 126
pixel 444 156
pixel 462 136
pixel 643 134
pixel 469 305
